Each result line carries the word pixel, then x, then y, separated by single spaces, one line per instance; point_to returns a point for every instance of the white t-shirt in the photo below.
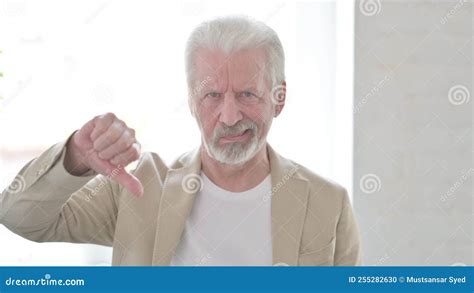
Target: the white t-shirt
pixel 227 228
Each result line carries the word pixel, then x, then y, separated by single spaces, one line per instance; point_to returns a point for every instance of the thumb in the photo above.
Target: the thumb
pixel 118 174
pixel 128 181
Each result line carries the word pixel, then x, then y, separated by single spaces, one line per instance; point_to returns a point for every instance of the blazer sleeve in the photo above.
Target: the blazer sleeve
pixel 348 247
pixel 45 203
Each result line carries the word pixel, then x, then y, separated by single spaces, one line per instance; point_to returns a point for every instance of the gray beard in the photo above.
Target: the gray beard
pixel 234 153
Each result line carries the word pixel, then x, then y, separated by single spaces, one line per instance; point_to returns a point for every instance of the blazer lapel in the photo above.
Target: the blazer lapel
pixel 288 208
pixel 179 190
pixel 289 198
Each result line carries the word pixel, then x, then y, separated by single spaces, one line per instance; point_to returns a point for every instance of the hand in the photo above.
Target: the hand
pixel 106 145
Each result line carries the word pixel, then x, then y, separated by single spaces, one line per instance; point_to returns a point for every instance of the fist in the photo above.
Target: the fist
pixel 106 145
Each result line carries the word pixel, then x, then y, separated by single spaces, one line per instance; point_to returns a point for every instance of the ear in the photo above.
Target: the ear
pixel 279 98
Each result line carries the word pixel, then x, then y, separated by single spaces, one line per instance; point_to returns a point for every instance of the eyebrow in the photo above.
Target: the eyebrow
pixel 211 87
pixel 252 89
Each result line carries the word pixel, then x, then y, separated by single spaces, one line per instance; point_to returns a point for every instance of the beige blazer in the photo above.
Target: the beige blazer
pixel 312 219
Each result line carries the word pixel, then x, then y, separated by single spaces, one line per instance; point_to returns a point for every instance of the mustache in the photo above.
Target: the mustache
pixel 236 129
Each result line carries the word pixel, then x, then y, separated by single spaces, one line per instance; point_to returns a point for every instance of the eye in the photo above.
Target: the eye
pixel 248 97
pixel 213 95
pixel 247 94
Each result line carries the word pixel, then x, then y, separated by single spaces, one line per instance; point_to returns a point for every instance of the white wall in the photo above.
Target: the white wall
pixel 413 132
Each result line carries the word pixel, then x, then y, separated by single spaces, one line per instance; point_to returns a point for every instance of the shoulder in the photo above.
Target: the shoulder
pixel 322 191
pixel 319 183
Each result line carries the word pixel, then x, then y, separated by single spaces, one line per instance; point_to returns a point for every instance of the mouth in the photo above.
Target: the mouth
pixel 236 138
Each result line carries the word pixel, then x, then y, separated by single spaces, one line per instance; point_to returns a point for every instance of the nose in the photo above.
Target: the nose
pixel 230 113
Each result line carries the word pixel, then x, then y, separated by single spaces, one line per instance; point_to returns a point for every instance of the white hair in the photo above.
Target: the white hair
pixel 231 34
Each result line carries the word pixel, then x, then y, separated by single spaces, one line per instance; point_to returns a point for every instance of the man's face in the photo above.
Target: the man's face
pixel 232 103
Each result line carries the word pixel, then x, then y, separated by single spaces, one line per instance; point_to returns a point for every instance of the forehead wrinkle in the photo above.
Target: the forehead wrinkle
pixel 211 74
pixel 204 62
pixel 253 82
pixel 242 82
pixel 201 54
pixel 217 81
pixel 222 69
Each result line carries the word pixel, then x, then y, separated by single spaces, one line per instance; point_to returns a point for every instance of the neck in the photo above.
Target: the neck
pixel 236 178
